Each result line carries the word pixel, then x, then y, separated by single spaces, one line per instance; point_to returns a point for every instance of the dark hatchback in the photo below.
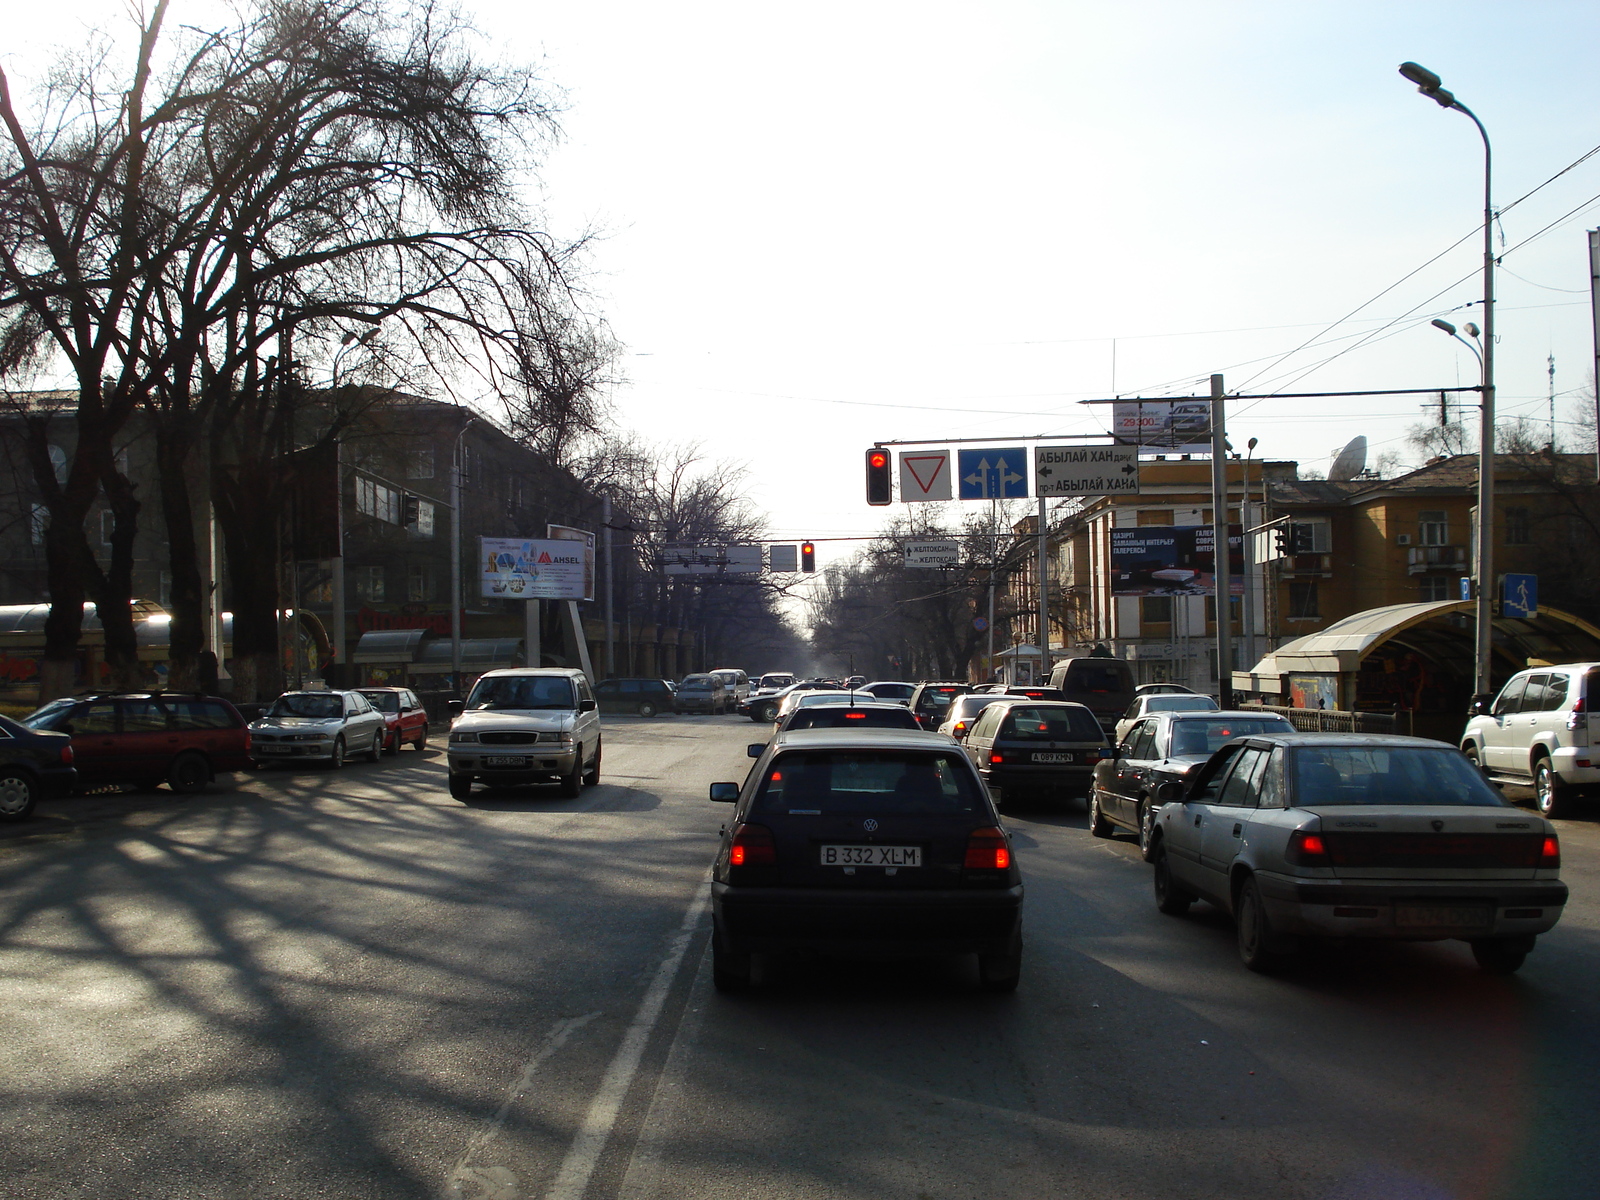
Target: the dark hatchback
pixel 1036 747
pixel 33 763
pixel 931 701
pixel 643 697
pixel 872 843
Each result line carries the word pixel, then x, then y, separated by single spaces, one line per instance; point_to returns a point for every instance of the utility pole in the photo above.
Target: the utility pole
pixel 1219 550
pixel 1044 597
pixel 605 543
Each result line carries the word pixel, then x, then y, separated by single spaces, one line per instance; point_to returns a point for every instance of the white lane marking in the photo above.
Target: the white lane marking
pixel 493 1182
pixel 584 1153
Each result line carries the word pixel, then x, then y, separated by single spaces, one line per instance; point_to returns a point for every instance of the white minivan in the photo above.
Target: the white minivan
pixel 1536 730
pixel 736 681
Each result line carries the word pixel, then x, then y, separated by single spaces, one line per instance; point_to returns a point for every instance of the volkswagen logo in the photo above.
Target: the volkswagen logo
pixel 869 824
pixel 1438 826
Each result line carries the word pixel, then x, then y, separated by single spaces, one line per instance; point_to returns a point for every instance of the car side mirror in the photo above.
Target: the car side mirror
pixel 754 749
pixel 1169 791
pixel 1482 704
pixel 725 793
pixel 586 705
pixel 455 707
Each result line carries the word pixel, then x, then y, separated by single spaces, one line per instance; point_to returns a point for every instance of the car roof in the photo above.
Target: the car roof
pixel 503 672
pixel 1008 698
pixel 1212 714
pixel 896 682
pixel 862 739
pixel 831 701
pixel 1383 740
pixel 380 687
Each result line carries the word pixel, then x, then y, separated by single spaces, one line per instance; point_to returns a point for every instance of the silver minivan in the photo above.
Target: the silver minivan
pixel 526 725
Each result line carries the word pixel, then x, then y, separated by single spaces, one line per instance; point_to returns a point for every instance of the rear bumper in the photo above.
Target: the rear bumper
pixel 1565 760
pixel 755 920
pixel 1369 908
pixel 57 781
pixel 1073 778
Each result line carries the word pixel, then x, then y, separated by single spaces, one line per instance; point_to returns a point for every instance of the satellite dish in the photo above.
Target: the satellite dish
pixel 1350 461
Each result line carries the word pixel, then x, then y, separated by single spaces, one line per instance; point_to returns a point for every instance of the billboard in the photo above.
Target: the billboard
pixel 531 569
pixel 1172 560
pixel 566 533
pixel 1163 424
pixel 705 559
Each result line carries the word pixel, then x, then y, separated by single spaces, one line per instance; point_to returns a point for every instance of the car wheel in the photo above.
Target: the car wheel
pixel 572 781
pixel 1471 751
pixel 1098 825
pixel 1550 796
pixel 646 709
pixel 1147 829
pixel 391 743
pixel 460 786
pixel 591 777
pixel 1501 956
pixel 18 795
pixel 422 739
pixel 729 972
pixel 1170 898
pixel 769 712
pixel 1260 948
pixel 1000 972
pixel 375 749
pixel 336 759
pixel 189 773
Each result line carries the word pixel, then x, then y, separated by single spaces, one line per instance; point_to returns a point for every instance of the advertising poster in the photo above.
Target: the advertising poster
pixel 1163 424
pixel 566 533
pixel 1172 560
pixel 1314 691
pixel 531 569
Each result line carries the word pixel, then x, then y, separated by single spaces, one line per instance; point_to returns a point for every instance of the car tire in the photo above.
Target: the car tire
pixel 422 739
pixel 1098 825
pixel 1170 898
pixel 1470 750
pixel 1147 829
pixel 646 709
pixel 1260 948
pixel 1551 797
pixel 730 972
pixel 336 759
pixel 189 773
pixel 391 745
pixel 18 795
pixel 591 777
pixel 572 781
pixel 769 712
pixel 460 786
pixel 375 750
pixel 1501 956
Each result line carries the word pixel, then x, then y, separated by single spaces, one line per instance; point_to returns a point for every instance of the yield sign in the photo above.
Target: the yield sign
pixel 925 475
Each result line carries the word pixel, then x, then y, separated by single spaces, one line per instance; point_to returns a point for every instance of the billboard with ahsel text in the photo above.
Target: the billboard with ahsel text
pixel 1172 560
pixel 531 568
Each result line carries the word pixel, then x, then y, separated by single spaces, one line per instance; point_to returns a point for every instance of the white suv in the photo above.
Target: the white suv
pixel 1537 729
pixel 526 725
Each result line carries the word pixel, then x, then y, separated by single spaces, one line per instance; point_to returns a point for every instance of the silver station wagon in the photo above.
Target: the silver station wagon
pixel 1326 835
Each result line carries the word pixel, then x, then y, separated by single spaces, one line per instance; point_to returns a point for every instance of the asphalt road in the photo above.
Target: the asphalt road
pixel 346 984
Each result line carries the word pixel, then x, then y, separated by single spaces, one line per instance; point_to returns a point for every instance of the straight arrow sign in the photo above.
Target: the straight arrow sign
pixel 995 474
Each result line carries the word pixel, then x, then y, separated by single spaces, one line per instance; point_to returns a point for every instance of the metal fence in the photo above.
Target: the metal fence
pixel 1323 720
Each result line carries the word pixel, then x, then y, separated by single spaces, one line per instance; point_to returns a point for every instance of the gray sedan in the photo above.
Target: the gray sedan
pixel 321 725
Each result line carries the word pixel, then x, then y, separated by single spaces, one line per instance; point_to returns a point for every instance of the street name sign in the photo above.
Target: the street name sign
pixel 925 475
pixel 1085 470
pixel 932 552
pixel 998 474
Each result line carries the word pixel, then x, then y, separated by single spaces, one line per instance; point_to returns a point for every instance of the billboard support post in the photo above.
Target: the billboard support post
pixel 1222 600
pixel 533 653
pixel 1044 597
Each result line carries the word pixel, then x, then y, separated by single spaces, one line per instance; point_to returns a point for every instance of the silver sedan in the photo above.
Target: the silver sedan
pixel 321 725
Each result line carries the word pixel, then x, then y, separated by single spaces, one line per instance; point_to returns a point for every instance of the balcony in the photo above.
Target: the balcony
pixel 1422 559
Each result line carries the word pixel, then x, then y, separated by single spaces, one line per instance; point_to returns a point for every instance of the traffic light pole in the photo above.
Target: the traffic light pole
pixel 1044 596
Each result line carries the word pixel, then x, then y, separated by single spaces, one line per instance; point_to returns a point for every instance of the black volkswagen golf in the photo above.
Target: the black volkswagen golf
pixel 868 842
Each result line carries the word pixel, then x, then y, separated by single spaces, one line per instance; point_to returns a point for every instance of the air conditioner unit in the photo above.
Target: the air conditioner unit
pixel 1403 540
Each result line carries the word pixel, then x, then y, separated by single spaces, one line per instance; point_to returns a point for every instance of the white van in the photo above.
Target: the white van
pixel 736 681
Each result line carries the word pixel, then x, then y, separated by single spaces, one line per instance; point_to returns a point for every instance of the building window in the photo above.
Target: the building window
pixel 1433 529
pixel 375 500
pixel 419 464
pixel 1155 610
pixel 1517 528
pixel 1303 599
pixel 368 583
pixel 419 583
pixel 1435 587
pixel 1312 536
pixel 1155 516
pixel 1233 609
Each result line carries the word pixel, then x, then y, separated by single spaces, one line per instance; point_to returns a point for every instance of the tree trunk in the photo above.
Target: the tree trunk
pixel 113 597
pixel 247 509
pixel 186 634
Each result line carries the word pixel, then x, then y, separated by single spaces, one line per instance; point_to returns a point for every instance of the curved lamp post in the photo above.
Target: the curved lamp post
pixel 1431 86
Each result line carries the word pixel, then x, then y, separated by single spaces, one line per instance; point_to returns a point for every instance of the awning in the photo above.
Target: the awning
pixel 477 654
pixel 388 646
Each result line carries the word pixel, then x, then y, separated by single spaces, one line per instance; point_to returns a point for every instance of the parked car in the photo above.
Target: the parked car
pixel 526 725
pixel 1036 747
pixel 930 701
pixel 871 842
pixel 1159 748
pixel 646 697
pixel 1352 835
pixel 893 690
pixel 735 681
pixel 1104 684
pixel 321 725
pixel 34 763
pixel 148 738
pixel 702 694
pixel 1537 730
pixel 404 718
pixel 963 711
pixel 837 714
pixel 1163 689
pixel 1143 706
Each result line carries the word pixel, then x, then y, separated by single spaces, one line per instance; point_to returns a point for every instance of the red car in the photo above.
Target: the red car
pixel 404 715
pixel 149 737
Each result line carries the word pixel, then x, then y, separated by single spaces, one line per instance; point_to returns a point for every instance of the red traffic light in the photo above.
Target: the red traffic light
pixel 879 488
pixel 808 557
pixel 877 458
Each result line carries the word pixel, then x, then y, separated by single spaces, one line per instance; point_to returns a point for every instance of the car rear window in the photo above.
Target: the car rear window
pixel 819 716
pixel 1027 723
pixel 939 697
pixel 383 701
pixel 1388 775
pixel 1206 737
pixel 900 782
pixel 1094 679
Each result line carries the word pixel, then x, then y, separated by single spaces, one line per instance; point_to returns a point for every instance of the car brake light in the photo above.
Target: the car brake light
pixel 1550 852
pixel 855 716
pixel 1575 719
pixel 959 727
pixel 1307 849
pixel 752 846
pixel 997 758
pixel 66 754
pixel 987 850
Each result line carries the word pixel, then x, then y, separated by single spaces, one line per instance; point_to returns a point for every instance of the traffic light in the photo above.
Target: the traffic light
pixel 1301 539
pixel 879 488
pixel 1280 541
pixel 410 510
pixel 808 557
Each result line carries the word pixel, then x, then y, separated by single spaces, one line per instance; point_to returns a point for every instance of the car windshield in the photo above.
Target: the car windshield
pixel 1388 775
pixel 383 701
pixel 838 716
pixel 320 707
pixel 1200 738
pixel 696 683
pixel 905 783
pixel 1041 724
pixel 522 691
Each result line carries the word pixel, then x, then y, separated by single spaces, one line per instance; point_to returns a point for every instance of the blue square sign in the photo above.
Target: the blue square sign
pixel 1000 474
pixel 1519 596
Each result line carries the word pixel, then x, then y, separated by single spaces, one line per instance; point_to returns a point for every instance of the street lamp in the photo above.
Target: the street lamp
pixel 1430 86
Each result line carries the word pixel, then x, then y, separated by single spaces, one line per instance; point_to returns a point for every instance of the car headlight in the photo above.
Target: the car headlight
pixel 457 739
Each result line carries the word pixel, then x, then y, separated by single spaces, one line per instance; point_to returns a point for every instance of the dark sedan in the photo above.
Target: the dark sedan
pixel 33 763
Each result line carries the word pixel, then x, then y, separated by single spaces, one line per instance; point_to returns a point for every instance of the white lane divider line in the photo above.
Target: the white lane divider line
pixel 490 1181
pixel 584 1153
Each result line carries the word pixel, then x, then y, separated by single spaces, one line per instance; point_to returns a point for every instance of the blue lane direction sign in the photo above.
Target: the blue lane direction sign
pixel 1000 474
pixel 1519 596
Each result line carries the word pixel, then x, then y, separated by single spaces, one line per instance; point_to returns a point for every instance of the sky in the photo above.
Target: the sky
pixel 830 224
